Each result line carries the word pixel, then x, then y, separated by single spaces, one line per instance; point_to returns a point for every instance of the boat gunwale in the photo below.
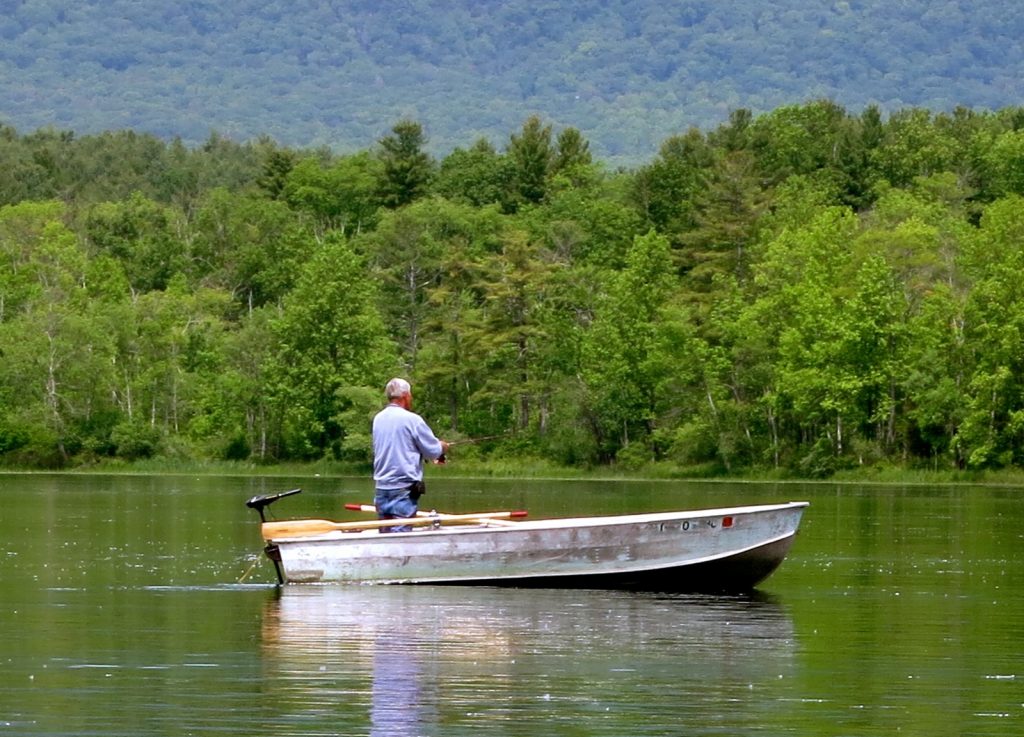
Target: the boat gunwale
pixel 555 523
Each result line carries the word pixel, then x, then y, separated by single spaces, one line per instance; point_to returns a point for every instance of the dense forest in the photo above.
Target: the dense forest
pixel 626 73
pixel 807 290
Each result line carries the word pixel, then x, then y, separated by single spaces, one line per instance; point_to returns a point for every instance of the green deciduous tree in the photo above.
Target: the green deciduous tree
pixel 143 235
pixel 331 336
pixel 801 302
pixel 168 351
pixel 1004 164
pixel 341 195
pixel 627 361
pixel 235 417
pixel 993 423
pixel 248 246
pixel 911 146
pixel 476 176
pixel 55 361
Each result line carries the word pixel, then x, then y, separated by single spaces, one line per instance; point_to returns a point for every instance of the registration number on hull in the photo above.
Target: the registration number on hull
pixel 692 525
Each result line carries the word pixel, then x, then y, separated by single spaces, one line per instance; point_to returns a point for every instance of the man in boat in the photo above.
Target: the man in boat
pixel 401 441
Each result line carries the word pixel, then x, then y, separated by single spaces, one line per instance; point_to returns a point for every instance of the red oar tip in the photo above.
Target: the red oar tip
pixel 354 507
pixel 519 513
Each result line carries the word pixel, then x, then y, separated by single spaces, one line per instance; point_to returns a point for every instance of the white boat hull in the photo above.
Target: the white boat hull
pixel 721 549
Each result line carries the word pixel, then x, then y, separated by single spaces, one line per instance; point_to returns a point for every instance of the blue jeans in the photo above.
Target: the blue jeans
pixel 394 504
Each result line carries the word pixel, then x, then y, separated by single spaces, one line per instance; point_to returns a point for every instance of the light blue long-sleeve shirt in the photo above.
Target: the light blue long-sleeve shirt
pixel 401 440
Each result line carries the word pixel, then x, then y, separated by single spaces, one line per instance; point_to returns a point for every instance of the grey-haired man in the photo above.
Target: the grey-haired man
pixel 401 441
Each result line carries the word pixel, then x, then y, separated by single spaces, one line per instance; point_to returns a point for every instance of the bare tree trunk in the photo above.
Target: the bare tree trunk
pixel 773 427
pixel 263 433
pixel 127 396
pixel 52 397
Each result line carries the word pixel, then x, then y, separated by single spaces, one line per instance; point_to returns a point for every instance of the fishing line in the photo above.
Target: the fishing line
pixel 255 563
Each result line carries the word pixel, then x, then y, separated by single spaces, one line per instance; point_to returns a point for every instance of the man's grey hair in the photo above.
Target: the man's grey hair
pixel 397 388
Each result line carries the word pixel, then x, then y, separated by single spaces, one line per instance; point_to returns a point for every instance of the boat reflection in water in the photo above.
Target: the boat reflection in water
pixel 388 660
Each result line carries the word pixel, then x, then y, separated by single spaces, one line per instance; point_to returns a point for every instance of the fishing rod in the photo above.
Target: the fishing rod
pixel 441 459
pixel 469 441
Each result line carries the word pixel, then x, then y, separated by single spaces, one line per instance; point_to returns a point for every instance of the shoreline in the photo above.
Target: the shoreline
pixel 543 471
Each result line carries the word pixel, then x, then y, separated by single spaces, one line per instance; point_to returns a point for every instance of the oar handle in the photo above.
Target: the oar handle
pixel 312 527
pixel 515 514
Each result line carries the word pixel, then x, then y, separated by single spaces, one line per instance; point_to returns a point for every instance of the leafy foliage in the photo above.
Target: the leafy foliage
pixel 803 290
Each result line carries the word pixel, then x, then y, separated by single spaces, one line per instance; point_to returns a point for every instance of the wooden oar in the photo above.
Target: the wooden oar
pixel 308 527
pixel 436 515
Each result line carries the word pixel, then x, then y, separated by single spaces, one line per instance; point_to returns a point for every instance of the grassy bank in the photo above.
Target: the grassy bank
pixel 534 468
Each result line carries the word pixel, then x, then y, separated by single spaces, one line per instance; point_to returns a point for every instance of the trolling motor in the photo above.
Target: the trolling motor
pixel 259 503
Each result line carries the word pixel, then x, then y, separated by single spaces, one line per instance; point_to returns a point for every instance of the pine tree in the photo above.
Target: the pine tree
pixel 408 169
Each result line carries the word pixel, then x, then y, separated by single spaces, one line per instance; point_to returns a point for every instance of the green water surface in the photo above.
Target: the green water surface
pixel 138 605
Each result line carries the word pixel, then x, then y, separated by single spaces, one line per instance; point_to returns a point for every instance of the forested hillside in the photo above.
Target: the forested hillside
pixel 626 73
pixel 807 289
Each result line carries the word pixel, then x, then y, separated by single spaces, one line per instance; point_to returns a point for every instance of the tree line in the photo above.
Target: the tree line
pixel 808 289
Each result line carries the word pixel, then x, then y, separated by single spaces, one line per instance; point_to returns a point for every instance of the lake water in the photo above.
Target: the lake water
pixel 137 605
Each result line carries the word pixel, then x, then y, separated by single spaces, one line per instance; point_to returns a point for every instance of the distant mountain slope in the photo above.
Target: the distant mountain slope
pixel 627 73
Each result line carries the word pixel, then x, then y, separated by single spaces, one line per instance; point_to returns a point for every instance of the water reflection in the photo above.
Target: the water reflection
pixel 401 698
pixel 407 660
